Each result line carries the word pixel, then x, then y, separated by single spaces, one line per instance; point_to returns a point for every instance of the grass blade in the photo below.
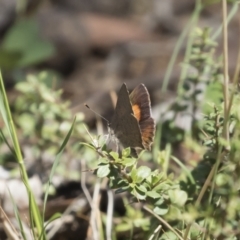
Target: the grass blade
pixel 55 164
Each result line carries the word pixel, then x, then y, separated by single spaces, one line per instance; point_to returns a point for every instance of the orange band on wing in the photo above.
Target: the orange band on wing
pixel 137 112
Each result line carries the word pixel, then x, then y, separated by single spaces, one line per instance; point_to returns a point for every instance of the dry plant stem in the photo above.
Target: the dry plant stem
pixel 99 126
pixel 113 96
pixel 93 231
pixel 156 231
pixel 236 74
pixel 109 220
pixel 206 185
pixel 83 184
pixel 93 226
pixel 104 186
pixel 225 71
pixel 7 226
pixel 231 14
pixel 220 156
pixel 213 172
pixel 163 222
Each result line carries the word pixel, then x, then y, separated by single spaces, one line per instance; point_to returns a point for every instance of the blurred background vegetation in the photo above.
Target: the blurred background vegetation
pixel 57 55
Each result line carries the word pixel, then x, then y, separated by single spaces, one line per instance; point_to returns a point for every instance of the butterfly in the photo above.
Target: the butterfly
pixel 132 124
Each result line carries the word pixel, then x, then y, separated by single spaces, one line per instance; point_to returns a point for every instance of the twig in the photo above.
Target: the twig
pixel 109 220
pixel 235 77
pixel 83 184
pixel 156 231
pixel 225 71
pixel 93 230
pixel 163 222
pixel 9 229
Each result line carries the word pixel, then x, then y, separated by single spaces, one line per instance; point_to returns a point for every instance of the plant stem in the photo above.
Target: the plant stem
pixel 221 154
pixel 235 77
pixel 192 22
pixel 18 153
pixel 225 72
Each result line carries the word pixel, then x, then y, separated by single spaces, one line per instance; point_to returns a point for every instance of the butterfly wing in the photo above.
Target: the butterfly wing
pixel 124 124
pixel 141 106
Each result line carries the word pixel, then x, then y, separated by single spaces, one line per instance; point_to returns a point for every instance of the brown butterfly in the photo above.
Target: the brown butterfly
pixel 132 124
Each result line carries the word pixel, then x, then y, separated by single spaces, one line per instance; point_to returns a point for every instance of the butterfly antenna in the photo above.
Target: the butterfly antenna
pixel 97 114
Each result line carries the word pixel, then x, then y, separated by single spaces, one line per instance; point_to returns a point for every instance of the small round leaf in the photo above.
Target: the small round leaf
pixel 103 171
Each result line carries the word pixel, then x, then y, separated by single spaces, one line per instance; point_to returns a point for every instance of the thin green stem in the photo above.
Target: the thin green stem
pixel 194 17
pixel 157 142
pixel 194 20
pixel 231 14
pixel 17 150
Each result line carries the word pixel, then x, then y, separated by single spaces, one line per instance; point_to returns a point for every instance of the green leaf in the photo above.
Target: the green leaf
pixel 161 210
pixel 132 185
pixel 128 162
pixel 24 31
pixel 178 197
pixel 141 188
pixel 88 145
pixel 32 48
pixel 9 58
pixel 168 236
pixel 222 179
pixel 54 217
pixel 103 161
pixel 24 87
pixel 133 174
pixel 160 201
pixel 26 122
pixel 213 94
pixel 103 171
pixel 140 195
pixel 126 152
pixel 174 213
pixel 142 173
pixel 123 227
pixel 121 190
pixel 115 155
pixel 142 222
pixel 37 53
pixel 153 194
